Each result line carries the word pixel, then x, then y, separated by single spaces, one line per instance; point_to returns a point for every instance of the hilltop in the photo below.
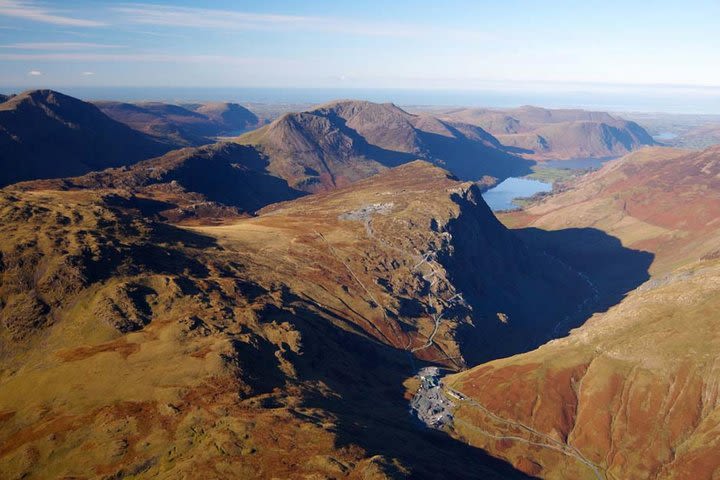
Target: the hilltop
pixel 45 134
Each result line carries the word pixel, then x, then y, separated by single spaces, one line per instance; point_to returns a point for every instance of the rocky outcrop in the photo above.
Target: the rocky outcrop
pixel 127 307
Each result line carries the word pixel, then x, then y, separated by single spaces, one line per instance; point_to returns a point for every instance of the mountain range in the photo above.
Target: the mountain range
pixel 545 134
pixel 341 142
pixel 196 349
pixel 269 305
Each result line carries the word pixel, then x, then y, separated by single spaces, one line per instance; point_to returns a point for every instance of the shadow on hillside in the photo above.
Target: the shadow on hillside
pixel 470 160
pixel 614 269
pixel 466 158
pixel 560 279
pixel 389 158
pixel 368 404
pixel 234 175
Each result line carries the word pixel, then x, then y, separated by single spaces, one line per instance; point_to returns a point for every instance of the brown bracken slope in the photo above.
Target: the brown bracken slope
pixel 272 346
pixel 633 393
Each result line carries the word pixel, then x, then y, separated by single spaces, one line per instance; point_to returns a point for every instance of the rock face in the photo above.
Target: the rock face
pixel 182 125
pixel 633 393
pixel 342 142
pixel 541 133
pixel 189 351
pixel 45 134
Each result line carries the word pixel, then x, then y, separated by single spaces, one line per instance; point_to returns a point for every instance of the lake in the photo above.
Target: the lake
pixel 502 195
pixel 665 136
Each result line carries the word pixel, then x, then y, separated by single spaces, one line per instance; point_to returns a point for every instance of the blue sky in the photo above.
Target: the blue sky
pixel 369 44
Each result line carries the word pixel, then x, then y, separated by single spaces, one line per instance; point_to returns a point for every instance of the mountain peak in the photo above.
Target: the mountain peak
pixel 46 134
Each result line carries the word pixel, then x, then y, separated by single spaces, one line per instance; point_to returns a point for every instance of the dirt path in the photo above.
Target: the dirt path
pixel 544 440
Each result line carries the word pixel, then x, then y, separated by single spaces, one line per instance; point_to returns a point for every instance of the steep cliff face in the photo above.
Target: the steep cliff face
pixel 520 296
pixel 192 349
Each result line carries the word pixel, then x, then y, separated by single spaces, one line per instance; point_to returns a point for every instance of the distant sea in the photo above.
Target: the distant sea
pixel 671 100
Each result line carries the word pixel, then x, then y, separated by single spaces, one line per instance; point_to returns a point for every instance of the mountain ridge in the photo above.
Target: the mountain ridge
pixel 340 142
pixel 558 134
pixel 189 125
pixel 303 321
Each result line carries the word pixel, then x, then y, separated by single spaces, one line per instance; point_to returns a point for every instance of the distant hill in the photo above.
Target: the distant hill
pixel 45 134
pixel 187 125
pixel 541 133
pixel 229 117
pixel 341 142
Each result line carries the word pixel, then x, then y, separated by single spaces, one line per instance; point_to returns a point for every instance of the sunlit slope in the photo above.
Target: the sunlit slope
pixel 634 391
pixel 562 134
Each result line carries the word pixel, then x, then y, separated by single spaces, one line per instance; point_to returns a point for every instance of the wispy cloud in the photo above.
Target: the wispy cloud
pixel 161 34
pixel 58 46
pixel 88 74
pixel 143 57
pixel 30 10
pixel 216 19
pixel 34 73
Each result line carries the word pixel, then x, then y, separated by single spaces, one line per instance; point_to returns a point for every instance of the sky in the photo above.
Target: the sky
pixel 449 44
